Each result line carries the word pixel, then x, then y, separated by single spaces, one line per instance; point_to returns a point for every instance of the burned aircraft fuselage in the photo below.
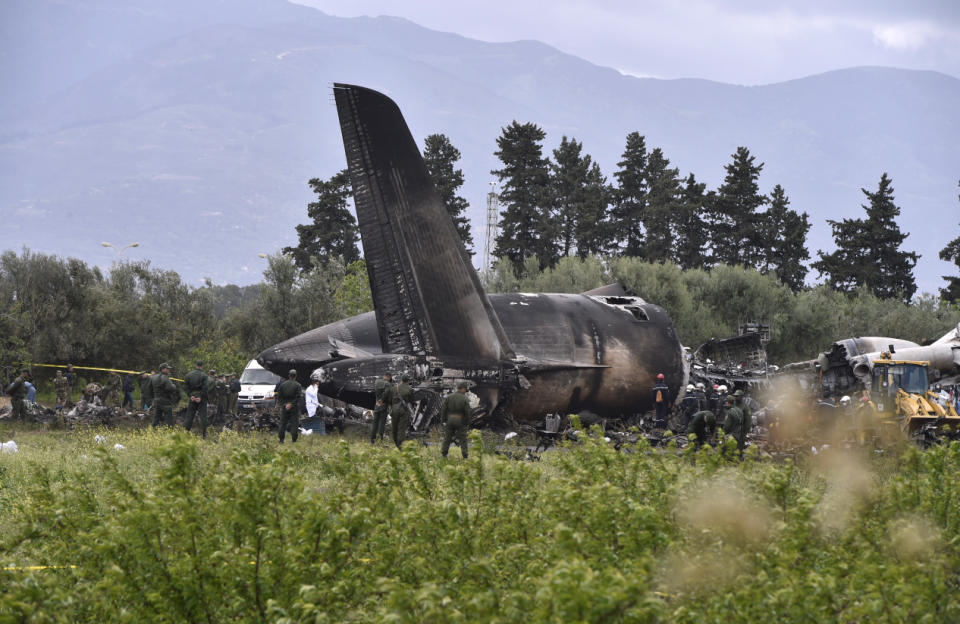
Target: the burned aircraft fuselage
pixel 526 355
pixel 573 353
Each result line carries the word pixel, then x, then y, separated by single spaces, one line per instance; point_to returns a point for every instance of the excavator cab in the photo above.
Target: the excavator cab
pixel 901 392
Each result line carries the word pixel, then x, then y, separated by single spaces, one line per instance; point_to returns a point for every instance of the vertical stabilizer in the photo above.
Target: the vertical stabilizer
pixel 426 292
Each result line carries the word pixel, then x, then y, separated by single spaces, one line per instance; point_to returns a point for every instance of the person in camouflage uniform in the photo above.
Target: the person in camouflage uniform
pixel 288 402
pixel 197 384
pixel 113 389
pixel 234 389
pixel 62 388
pixel 223 395
pixel 455 416
pixel 381 391
pixel 164 394
pixel 402 401
pixel 18 395
pixel 702 424
pixel 737 424
pixel 145 390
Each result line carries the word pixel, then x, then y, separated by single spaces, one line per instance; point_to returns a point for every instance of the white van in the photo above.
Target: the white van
pixel 256 388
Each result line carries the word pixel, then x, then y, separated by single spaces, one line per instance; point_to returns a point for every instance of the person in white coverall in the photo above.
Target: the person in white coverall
pixel 313 403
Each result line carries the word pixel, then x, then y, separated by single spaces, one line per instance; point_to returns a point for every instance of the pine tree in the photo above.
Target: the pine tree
pixel 594 231
pixel 736 231
pixel 527 225
pixel 332 232
pixel 581 196
pixel 785 241
pixel 568 177
pixel 868 250
pixel 663 188
pixel 691 232
pixel 630 196
pixel 441 158
pixel 951 253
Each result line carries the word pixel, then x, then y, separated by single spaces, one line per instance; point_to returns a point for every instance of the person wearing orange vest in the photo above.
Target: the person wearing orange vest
pixel 661 400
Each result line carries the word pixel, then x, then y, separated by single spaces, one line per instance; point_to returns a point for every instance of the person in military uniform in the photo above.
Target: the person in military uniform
pixel 223 395
pixel 661 401
pixel 18 394
pixel 742 401
pixel 703 423
pixel 381 391
pixel 402 399
pixel 71 382
pixel 197 384
pixel 214 393
pixel 455 418
pixel 128 388
pixel 145 390
pixel 234 389
pixel 736 424
pixel 114 384
pixel 288 402
pixel 91 393
pixel 164 395
pixel 62 388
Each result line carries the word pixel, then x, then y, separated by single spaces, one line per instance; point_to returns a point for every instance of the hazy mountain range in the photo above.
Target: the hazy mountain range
pixel 193 126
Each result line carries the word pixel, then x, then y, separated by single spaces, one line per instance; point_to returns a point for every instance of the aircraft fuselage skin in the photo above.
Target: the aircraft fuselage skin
pixel 573 353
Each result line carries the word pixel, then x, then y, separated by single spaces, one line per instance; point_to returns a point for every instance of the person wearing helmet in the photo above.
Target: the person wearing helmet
pixel 700 393
pixel 455 416
pixel 401 410
pixel 713 399
pixel 288 398
pixel 661 401
pixel 722 401
pixel 688 406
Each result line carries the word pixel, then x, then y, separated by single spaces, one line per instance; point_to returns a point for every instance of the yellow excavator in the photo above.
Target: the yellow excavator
pixel 900 390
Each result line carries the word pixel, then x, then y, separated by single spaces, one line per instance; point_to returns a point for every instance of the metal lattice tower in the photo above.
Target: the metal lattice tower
pixel 493 219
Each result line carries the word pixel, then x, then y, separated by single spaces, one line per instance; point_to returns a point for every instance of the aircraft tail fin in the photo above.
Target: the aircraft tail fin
pixel 427 295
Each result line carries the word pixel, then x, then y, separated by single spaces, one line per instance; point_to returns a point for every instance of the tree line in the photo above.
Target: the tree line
pixel 562 206
pixel 134 316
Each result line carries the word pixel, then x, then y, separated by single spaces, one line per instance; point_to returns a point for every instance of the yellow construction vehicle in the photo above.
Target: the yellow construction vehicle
pixel 900 390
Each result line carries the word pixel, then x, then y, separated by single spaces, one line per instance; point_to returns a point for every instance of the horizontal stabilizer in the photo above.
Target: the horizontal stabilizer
pixel 346 350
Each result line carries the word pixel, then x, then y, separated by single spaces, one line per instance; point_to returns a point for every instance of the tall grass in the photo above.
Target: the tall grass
pixel 174 529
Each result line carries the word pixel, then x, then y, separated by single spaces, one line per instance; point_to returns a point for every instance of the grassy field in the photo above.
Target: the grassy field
pixel 173 529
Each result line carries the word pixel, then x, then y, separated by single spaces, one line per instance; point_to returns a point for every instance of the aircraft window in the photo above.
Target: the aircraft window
pixel 638 313
pixel 618 300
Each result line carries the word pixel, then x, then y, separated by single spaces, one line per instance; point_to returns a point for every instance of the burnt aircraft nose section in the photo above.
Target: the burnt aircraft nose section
pixel 312 349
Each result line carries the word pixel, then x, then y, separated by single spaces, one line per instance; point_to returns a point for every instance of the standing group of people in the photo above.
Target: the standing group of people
pixel 730 411
pixel 702 409
pixel 396 400
pixel 22 391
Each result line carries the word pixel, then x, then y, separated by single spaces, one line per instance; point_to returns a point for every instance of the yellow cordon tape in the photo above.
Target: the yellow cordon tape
pixel 93 368
pixel 63 567
pixel 30 568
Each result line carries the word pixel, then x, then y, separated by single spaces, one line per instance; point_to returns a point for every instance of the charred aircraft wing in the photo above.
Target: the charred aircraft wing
pixel 426 293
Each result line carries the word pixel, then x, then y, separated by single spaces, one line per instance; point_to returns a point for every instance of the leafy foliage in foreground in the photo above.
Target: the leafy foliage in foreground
pixel 172 529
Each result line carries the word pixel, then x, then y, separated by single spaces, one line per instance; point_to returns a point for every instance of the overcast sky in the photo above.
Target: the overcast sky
pixel 737 41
